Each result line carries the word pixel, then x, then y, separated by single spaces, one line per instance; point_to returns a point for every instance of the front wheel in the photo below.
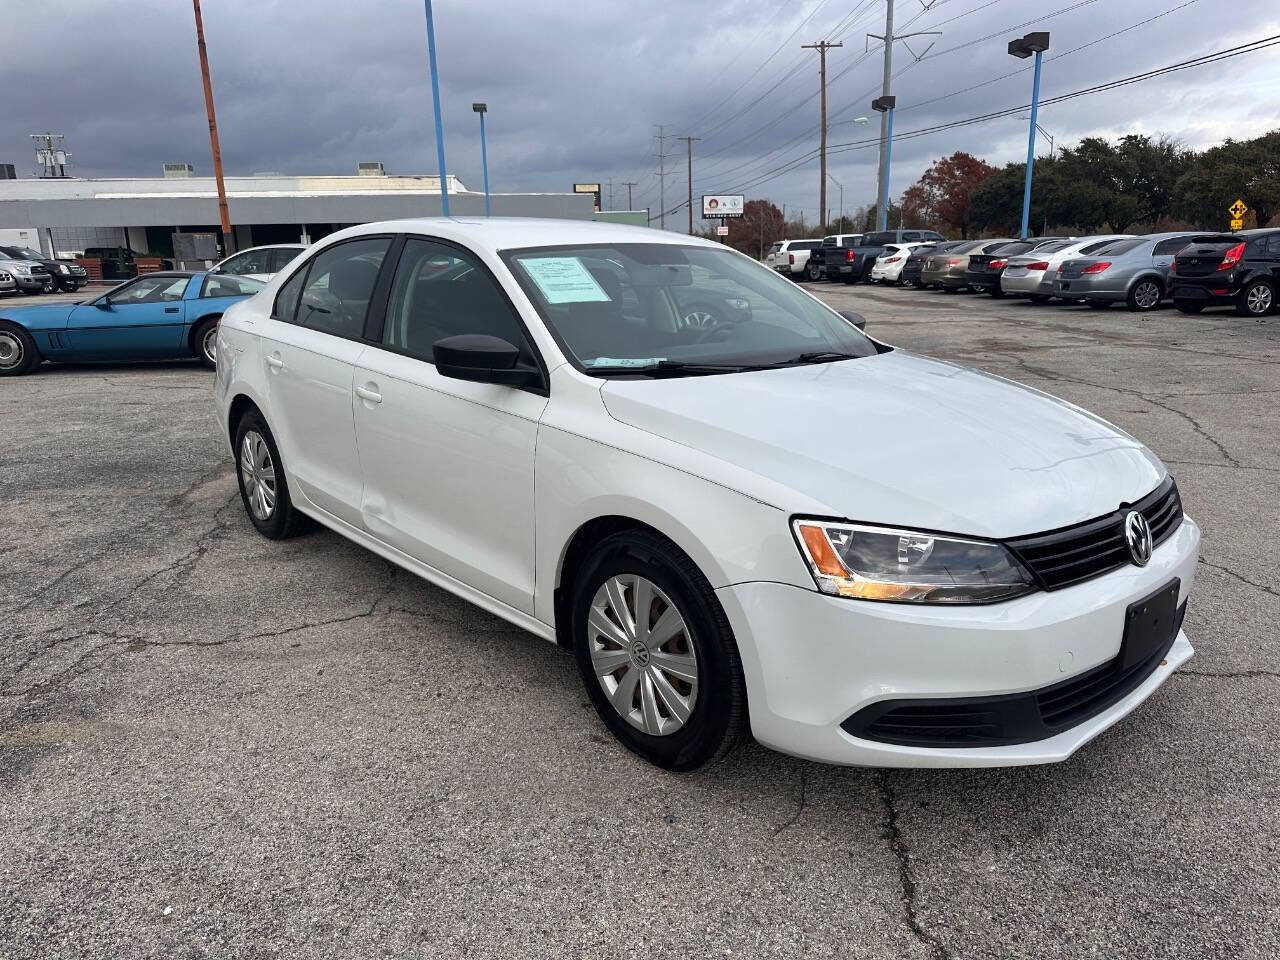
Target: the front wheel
pixel 1256 300
pixel 656 653
pixel 18 353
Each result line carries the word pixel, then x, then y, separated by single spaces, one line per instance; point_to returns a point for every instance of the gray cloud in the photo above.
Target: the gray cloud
pixel 574 89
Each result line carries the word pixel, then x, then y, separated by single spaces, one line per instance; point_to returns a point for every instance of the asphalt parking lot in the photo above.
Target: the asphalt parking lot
pixel 211 744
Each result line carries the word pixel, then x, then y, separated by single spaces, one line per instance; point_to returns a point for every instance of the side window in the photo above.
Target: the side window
pixel 1167 248
pixel 282 257
pixel 150 289
pixel 340 285
pixel 216 285
pixel 286 305
pixel 236 265
pixel 441 291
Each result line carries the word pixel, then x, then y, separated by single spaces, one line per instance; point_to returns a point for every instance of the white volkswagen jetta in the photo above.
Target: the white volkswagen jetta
pixel 737 510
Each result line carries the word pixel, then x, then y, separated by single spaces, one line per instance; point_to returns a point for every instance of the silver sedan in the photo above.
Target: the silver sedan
pixel 1134 272
pixel 1031 274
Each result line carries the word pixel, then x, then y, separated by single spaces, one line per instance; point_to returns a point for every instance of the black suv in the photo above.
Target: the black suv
pixel 1240 269
pixel 63 274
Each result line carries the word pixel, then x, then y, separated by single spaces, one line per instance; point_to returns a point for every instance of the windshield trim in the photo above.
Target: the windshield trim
pixel 508 255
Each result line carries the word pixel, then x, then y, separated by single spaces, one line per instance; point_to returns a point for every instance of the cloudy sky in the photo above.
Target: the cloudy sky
pixel 575 89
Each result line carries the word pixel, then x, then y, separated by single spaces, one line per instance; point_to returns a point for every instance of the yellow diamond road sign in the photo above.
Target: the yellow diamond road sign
pixel 1238 209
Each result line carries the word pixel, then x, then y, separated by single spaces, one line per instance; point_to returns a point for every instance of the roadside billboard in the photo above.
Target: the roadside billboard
pixel 721 205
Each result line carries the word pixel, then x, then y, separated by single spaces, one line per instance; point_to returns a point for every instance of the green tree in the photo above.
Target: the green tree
pixel 1248 170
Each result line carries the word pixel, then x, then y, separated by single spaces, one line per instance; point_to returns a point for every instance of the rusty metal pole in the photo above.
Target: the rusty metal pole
pixel 228 241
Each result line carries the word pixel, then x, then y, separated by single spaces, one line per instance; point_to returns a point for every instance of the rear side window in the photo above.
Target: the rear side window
pixel 1268 245
pixel 216 285
pixel 1117 247
pixel 1167 248
pixel 335 298
pixel 286 305
pixel 807 245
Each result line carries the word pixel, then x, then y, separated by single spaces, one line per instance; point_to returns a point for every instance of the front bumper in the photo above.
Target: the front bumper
pixel 811 660
pixel 36 281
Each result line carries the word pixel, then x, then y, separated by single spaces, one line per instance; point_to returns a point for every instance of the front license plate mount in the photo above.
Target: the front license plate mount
pixel 1148 624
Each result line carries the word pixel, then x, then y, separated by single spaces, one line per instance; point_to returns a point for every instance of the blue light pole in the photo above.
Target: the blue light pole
pixel 481 108
pixel 1022 48
pixel 435 99
pixel 885 105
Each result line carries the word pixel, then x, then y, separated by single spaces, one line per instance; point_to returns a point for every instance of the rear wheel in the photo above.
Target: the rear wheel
pixel 1145 295
pixel 18 353
pixel 1256 300
pixel 204 340
pixel 263 487
pixel 812 271
pixel 656 653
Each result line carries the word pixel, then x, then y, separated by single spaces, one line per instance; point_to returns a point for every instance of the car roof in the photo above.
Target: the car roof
pixel 496 234
pixel 270 246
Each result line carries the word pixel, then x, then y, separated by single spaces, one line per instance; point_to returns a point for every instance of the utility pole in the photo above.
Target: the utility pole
pixel 689 144
pixel 662 178
pixel 629 184
pixel 610 193
pixel 228 242
pixel 886 117
pixel 822 46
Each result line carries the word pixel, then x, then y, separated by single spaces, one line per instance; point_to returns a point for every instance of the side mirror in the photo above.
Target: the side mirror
pixel 103 304
pixel 857 319
pixel 483 359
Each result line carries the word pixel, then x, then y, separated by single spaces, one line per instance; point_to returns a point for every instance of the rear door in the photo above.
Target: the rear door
pixel 143 319
pixel 310 346
pixel 448 464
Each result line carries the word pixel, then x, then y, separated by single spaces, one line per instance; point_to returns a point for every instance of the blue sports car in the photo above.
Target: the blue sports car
pixel 157 316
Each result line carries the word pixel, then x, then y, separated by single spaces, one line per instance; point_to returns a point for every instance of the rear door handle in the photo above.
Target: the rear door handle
pixel 274 361
pixel 170 309
pixel 369 393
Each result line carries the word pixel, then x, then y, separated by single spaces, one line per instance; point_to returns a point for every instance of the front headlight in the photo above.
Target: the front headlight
pixel 21 268
pixel 64 268
pixel 905 566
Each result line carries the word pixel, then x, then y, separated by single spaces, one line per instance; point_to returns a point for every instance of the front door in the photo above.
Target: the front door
pixel 143 319
pixel 448 464
pixel 309 349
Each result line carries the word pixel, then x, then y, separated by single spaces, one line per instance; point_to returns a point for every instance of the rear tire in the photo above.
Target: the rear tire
pixel 813 273
pixel 681 697
pixel 18 353
pixel 264 491
pixel 204 341
pixel 1256 300
pixel 1145 295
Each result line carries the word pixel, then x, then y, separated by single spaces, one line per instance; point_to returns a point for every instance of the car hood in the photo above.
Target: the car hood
pixel 902 439
pixel 38 317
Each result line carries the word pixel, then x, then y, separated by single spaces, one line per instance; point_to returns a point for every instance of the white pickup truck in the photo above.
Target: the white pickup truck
pixel 789 257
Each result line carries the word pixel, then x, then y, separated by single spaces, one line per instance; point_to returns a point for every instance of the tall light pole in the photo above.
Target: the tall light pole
pixel 884 106
pixel 228 241
pixel 1022 48
pixel 435 101
pixel 1044 133
pixel 482 108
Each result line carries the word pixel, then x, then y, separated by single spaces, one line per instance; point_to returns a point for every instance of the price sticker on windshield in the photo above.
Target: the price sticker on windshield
pixel 564 280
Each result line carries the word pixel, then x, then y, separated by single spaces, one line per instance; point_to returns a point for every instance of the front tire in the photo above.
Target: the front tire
pixel 18 353
pixel 264 491
pixel 1256 300
pixel 656 653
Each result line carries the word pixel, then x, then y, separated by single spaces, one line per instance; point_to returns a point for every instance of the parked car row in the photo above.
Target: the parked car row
pixel 23 270
pixel 1192 269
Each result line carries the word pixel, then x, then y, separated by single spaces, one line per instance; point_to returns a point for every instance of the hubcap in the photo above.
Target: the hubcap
pixel 258 472
pixel 209 344
pixel 1147 295
pixel 1258 299
pixel 10 350
pixel 642 654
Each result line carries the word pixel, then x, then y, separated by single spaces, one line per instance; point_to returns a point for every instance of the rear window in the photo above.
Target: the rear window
pixel 1013 249
pixel 775 248
pixel 1116 247
pixel 1054 247
pixel 1094 247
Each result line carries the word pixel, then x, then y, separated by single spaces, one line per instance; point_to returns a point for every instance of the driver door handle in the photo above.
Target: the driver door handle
pixel 170 309
pixel 369 393
pixel 274 362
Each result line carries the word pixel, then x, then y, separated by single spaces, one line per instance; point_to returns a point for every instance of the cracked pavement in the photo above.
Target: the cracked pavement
pixel 211 744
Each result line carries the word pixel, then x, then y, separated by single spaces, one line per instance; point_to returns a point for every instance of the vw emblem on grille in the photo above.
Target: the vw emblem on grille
pixel 1137 534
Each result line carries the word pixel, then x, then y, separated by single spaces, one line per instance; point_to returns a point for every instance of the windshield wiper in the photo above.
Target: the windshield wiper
pixel 818 356
pixel 677 367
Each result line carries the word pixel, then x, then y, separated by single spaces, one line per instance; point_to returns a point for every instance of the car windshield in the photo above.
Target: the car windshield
pixel 660 307
pixel 23 253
